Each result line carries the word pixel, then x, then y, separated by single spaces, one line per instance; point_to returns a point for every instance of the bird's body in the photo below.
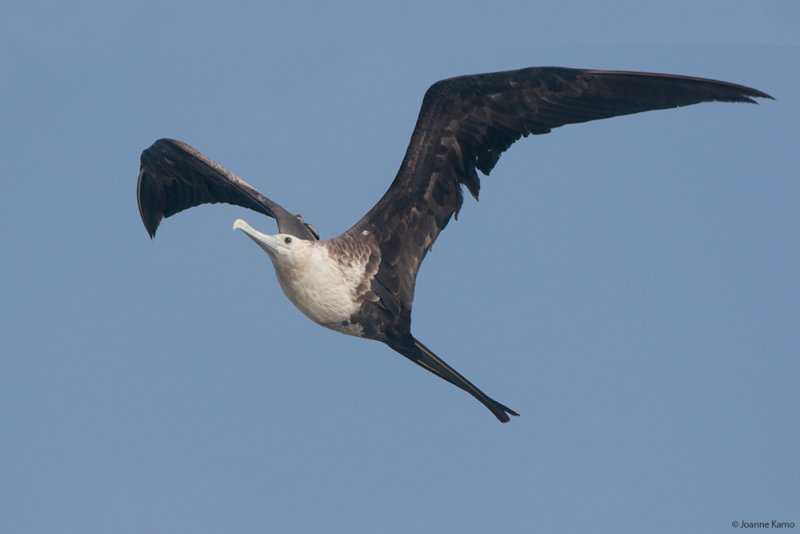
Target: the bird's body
pixel 362 282
pixel 327 287
pixel 324 289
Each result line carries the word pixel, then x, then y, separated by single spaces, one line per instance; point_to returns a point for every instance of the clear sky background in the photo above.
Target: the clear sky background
pixel 630 286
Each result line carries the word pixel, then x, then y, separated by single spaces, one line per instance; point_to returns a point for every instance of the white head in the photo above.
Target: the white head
pixel 284 250
pixel 322 287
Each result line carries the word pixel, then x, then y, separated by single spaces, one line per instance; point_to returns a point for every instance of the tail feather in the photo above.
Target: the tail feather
pixel 425 358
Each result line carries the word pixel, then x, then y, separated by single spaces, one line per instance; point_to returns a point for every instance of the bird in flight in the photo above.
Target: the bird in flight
pixel 361 283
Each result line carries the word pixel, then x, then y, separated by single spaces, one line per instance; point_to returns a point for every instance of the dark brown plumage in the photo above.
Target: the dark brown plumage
pixel 175 177
pixel 464 125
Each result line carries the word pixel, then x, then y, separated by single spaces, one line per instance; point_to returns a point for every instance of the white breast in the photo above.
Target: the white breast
pixel 322 288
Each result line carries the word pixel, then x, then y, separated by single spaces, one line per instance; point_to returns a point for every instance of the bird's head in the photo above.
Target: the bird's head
pixel 283 249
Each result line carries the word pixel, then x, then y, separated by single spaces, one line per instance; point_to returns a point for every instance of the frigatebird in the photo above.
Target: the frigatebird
pixel 362 282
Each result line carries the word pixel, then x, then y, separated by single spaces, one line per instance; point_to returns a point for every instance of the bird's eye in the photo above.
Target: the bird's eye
pixel 287 240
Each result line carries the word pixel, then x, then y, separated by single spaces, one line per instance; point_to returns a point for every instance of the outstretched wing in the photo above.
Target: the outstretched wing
pixel 466 123
pixel 174 176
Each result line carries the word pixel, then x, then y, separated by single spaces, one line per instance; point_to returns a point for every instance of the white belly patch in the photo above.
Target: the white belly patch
pixel 324 290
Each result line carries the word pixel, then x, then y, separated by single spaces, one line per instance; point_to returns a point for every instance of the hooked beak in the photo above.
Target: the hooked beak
pixel 269 243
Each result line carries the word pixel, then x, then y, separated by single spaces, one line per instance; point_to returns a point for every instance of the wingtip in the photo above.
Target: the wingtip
pixel 764 95
pixel 745 94
pixel 151 221
pixel 750 98
pixel 755 93
pixel 149 198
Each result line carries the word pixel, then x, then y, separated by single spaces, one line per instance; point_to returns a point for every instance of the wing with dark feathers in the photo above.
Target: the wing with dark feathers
pixel 466 123
pixel 174 176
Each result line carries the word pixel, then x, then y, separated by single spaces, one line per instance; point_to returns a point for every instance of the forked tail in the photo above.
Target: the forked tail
pixel 424 357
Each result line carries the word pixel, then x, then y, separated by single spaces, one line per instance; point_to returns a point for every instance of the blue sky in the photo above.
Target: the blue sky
pixel 629 286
